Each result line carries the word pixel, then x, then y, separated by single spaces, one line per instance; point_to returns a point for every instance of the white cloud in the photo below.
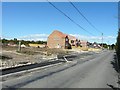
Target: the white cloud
pixel 43 37
pixel 106 39
pixel 35 37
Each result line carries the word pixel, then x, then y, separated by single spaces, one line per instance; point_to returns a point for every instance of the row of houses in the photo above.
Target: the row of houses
pixel 58 39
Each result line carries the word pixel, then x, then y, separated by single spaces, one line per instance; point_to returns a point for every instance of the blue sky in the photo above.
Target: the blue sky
pixel 35 21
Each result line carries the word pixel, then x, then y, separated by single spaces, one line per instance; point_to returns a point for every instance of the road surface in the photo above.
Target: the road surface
pixel 95 71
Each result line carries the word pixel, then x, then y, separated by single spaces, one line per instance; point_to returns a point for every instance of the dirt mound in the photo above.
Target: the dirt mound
pixel 5 57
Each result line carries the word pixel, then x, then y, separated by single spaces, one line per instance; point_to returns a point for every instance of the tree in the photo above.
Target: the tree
pixel 118 42
pixel 15 41
pixel 112 46
pixel 118 47
pixel 4 40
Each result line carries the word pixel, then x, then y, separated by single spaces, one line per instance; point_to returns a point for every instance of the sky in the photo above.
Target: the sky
pixel 36 20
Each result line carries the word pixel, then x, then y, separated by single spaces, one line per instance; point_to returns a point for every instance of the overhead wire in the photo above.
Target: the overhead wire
pixel 87 20
pixel 84 16
pixel 69 18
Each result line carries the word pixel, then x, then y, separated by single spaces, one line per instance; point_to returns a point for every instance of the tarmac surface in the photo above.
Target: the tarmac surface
pixel 94 71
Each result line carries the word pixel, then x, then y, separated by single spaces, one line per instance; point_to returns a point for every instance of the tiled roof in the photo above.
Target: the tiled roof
pixel 63 35
pixel 59 33
pixel 72 37
pixel 83 42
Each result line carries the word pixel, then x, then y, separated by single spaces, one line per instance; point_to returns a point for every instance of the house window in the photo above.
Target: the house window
pixel 66 39
pixel 66 44
pixel 72 41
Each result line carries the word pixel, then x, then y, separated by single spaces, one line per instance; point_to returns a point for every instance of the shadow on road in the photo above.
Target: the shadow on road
pixel 117 69
pixel 115 63
pixel 113 88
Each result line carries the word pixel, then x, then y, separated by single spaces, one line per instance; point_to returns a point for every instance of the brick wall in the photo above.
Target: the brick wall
pixel 56 40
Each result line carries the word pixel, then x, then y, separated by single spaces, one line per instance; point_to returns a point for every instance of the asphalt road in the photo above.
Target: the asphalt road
pixel 95 71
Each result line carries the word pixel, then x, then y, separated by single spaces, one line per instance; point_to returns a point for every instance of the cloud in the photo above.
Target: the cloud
pixel 43 37
pixel 35 37
pixel 98 39
pixel 106 39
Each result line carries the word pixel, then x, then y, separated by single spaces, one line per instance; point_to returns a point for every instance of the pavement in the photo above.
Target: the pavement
pixel 95 71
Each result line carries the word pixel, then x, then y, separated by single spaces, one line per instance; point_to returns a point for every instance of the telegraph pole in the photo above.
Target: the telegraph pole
pixel 19 46
pixel 108 45
pixel 102 41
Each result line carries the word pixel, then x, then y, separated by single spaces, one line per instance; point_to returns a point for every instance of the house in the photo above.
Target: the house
pixel 23 46
pixel 83 43
pixel 11 44
pixel 73 40
pixel 96 45
pixel 58 39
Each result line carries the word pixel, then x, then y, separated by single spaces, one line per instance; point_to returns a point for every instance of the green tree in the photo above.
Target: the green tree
pixel 4 40
pixel 15 41
pixel 118 47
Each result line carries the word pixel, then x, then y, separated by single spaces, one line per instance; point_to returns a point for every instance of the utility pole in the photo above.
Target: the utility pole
pixel 19 46
pixel 108 45
pixel 102 41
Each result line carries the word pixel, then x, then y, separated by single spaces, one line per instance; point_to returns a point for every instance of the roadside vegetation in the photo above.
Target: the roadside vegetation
pixel 26 42
pixel 118 48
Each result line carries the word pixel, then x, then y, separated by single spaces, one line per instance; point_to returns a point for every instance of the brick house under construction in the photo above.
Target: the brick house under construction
pixel 58 39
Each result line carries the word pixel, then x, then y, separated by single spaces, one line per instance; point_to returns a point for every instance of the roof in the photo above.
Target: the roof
pixel 72 37
pixel 83 42
pixel 59 33
pixel 63 34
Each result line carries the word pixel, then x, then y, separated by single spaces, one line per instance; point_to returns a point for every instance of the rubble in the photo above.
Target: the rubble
pixel 10 57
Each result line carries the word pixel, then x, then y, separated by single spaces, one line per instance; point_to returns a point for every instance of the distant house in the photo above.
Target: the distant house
pixel 83 43
pixel 95 45
pixel 12 44
pixel 73 40
pixel 23 45
pixel 58 39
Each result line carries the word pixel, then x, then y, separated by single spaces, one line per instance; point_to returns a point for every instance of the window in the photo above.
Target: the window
pixel 72 41
pixel 66 39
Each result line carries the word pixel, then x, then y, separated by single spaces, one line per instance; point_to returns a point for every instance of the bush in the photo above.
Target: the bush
pixel 118 48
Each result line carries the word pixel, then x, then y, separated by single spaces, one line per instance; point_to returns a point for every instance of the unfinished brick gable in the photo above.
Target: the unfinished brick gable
pixel 58 39
pixel 55 39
